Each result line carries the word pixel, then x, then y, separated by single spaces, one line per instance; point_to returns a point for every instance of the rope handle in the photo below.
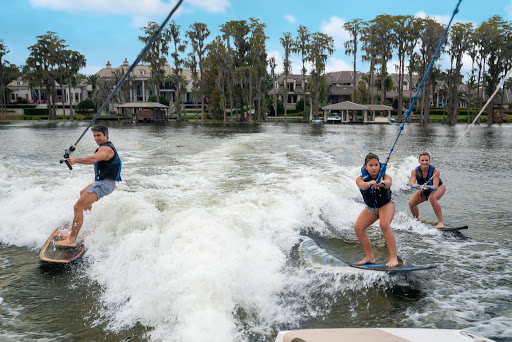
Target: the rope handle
pixel 423 187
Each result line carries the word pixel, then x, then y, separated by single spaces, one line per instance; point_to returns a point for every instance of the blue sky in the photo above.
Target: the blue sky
pixel 108 30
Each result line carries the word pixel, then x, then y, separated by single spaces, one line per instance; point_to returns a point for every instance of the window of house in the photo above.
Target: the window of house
pixel 142 72
pixel 405 83
pixel 18 83
pixel 76 97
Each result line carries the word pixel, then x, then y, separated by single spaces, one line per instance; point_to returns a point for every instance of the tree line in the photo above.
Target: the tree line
pixel 413 41
pixel 233 74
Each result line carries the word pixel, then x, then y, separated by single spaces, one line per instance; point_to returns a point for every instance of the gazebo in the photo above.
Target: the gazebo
pixel 145 111
pixel 381 109
pixel 343 108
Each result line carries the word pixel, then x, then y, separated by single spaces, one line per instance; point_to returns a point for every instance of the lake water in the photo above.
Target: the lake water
pixel 200 240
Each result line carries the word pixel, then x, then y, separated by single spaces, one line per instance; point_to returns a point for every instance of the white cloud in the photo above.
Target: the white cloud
pixel 442 19
pixel 212 6
pixel 137 8
pixel 393 67
pixel 122 7
pixel 279 61
pixel 336 64
pixel 290 18
pixel 466 66
pixel 334 28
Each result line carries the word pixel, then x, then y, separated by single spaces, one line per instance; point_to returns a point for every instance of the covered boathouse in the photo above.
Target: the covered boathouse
pixel 350 112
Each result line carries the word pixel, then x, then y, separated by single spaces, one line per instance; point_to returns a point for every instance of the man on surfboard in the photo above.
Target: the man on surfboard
pixel 426 174
pixel 380 206
pixel 107 170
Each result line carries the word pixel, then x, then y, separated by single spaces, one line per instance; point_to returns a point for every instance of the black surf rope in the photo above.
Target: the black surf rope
pixel 70 150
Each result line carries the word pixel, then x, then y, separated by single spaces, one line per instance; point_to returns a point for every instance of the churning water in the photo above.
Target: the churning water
pixel 200 240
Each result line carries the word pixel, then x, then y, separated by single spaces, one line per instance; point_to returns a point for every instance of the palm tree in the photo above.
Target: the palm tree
pixel 93 81
pixel 272 64
pixel 198 34
pixel 155 55
pixel 177 77
pixel 403 37
pixel 383 25
pixel 320 47
pixel 258 59
pixel 431 34
pixel 3 52
pixel 43 64
pixel 300 47
pixel 75 62
pixel 459 44
pixel 494 46
pixel 354 27
pixel 369 38
pixel 287 43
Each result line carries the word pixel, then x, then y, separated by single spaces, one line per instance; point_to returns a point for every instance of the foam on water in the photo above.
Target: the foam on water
pixel 179 251
pixel 185 246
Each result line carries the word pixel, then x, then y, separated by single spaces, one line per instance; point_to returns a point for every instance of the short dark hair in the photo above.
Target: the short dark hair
pixel 424 154
pixel 100 128
pixel 369 157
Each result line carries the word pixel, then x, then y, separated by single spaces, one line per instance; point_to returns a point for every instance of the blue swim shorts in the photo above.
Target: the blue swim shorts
pixel 102 188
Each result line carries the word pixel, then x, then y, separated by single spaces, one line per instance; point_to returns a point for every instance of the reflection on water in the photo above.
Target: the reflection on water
pixel 199 242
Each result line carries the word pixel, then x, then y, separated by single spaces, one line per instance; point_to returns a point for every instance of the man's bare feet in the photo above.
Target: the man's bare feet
pixel 393 262
pixel 66 243
pixel 439 225
pixel 367 260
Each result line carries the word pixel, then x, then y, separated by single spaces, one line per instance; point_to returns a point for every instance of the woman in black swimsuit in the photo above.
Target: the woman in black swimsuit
pixel 428 175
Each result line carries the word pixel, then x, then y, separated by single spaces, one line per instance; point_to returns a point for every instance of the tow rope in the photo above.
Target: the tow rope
pixel 413 102
pixel 71 149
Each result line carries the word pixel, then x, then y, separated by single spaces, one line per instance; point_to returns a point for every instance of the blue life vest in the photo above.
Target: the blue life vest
pixel 374 198
pixel 419 176
pixel 108 169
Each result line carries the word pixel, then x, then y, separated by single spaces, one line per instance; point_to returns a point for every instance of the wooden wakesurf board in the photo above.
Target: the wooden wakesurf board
pixel 57 254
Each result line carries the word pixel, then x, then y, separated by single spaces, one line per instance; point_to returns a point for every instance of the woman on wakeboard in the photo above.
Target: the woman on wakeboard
pixel 426 174
pixel 380 206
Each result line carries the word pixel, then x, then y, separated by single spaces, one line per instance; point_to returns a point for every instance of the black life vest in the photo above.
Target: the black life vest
pixel 108 169
pixel 374 198
pixel 419 176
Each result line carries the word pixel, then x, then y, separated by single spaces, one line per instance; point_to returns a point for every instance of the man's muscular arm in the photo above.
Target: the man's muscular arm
pixel 104 153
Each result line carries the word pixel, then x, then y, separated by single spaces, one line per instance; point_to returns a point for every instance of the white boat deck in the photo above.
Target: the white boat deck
pixel 379 334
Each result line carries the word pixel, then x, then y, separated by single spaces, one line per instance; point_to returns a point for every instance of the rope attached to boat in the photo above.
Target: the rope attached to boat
pixel 477 118
pixel 72 148
pixel 415 98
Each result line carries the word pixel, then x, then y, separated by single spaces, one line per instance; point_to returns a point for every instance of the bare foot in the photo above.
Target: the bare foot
pixel 439 225
pixel 393 262
pixel 66 243
pixel 367 260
